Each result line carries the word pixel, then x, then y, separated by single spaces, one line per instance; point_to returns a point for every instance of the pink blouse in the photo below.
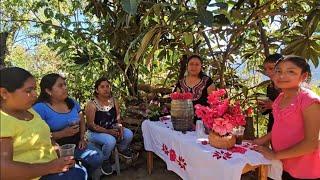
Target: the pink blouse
pixel 288 130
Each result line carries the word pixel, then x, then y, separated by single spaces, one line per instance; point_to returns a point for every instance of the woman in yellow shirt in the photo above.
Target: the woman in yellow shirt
pixel 26 150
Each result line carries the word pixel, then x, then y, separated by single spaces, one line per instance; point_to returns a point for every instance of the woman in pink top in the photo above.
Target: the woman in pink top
pixel 295 133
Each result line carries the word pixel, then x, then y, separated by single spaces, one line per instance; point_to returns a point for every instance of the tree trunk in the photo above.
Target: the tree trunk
pixel 3 47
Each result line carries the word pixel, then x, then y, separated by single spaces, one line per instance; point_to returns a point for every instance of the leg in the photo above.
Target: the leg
pixel 263 172
pixel 73 173
pixel 91 157
pixel 149 161
pixel 107 142
pixel 127 138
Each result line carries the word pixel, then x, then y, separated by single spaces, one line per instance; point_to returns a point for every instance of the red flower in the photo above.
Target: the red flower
pixel 172 154
pixel 238 149
pixel 250 111
pixel 204 142
pixel 181 96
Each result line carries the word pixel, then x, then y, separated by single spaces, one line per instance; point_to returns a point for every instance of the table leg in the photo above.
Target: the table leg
pixel 149 161
pixel 263 172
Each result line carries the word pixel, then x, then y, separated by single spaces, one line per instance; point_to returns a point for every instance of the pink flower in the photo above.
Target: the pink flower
pixel 221 116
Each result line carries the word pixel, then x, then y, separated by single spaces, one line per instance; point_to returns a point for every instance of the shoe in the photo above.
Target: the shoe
pixel 106 168
pixel 126 153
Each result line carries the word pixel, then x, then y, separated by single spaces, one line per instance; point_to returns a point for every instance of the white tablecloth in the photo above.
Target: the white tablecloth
pixel 194 159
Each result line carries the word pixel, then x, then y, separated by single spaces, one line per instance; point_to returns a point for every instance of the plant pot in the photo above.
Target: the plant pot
pixel 221 142
pixel 182 115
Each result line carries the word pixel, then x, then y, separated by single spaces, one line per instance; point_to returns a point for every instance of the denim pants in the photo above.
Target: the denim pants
pixel 73 173
pixel 91 157
pixel 108 141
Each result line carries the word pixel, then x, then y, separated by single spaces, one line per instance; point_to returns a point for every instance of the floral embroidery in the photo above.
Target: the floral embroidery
pixel 238 149
pixel 181 163
pixel 249 145
pixel 222 154
pixel 165 149
pixel 173 157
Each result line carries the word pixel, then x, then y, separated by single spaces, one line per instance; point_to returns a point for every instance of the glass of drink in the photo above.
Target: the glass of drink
pixel 238 132
pixel 67 150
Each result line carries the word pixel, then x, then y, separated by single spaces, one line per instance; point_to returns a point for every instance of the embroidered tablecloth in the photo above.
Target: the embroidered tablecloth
pixel 195 159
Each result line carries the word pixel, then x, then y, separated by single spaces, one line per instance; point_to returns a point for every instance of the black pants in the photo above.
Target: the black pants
pixel 287 176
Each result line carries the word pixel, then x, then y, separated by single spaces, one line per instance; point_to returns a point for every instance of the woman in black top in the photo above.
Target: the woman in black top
pixel 195 81
pixel 104 124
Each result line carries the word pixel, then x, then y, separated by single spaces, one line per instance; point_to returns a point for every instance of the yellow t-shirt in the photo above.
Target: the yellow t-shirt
pixel 31 139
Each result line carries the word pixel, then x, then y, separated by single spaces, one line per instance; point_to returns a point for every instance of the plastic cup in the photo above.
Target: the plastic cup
pixel 67 150
pixel 199 129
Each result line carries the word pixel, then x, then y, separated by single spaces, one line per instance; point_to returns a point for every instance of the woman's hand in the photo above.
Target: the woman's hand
pixel 114 132
pixel 71 131
pixel 265 104
pixel 82 144
pixel 266 152
pixel 62 164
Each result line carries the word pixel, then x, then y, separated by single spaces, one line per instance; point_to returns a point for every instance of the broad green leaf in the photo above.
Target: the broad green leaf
pixel 188 38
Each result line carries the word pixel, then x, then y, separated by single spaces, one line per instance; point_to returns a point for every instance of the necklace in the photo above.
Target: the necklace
pixel 24 115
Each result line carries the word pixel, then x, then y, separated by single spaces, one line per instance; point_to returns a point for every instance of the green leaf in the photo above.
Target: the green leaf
pixel 48 13
pixel 205 17
pixel 130 6
pixel 188 38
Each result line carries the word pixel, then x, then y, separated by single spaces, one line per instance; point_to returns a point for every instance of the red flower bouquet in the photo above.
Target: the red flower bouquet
pixel 181 96
pixel 220 116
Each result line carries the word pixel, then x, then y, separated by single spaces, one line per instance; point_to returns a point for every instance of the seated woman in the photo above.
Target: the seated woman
pixel 26 149
pixel 195 81
pixel 65 120
pixel 104 124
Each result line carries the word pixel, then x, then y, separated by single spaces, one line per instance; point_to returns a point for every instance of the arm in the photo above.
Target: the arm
pixel 82 126
pixel 9 168
pixel 311 135
pixel 90 111
pixel 118 111
pixel 211 88
pixel 263 140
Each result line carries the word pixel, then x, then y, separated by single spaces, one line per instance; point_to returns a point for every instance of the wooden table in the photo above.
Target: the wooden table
pixel 262 169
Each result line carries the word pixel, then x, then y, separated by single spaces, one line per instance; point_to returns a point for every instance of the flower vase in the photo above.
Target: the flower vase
pixel 182 114
pixel 221 142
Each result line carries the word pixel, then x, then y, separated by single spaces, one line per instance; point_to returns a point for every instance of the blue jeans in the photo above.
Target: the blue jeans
pixel 108 141
pixel 73 173
pixel 91 157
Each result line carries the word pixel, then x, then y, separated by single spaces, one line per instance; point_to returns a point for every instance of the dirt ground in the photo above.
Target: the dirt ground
pixel 138 171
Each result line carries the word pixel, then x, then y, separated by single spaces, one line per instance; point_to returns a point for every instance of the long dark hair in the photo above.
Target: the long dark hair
pixel 184 63
pixel 13 78
pixel 47 82
pixel 98 82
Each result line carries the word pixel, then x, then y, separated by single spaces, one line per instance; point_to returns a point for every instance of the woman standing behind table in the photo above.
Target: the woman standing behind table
pixel 195 81
pixel 104 124
pixel 26 150
pixel 65 120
